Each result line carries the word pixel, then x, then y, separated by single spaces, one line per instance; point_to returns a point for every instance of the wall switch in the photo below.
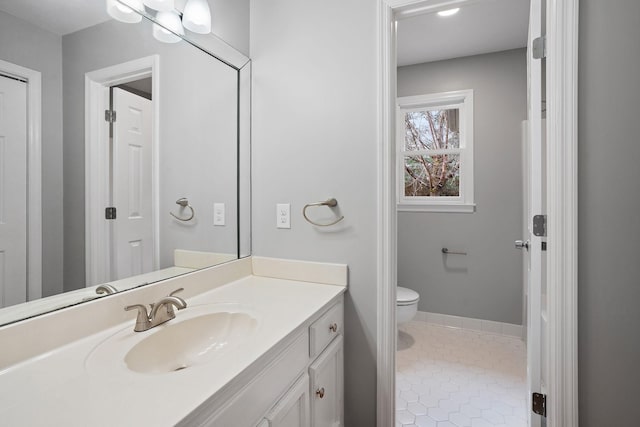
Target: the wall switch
pixel 218 214
pixel 283 215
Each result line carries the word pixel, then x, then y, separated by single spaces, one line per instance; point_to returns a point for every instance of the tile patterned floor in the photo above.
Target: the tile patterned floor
pixel 449 377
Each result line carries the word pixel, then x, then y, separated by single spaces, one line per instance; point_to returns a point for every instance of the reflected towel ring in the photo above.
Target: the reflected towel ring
pixel 184 202
pixel 330 203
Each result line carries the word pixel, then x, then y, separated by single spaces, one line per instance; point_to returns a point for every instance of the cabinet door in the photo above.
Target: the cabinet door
pixel 327 402
pixel 293 409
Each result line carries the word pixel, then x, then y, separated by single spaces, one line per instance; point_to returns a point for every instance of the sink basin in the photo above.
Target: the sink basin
pixel 190 342
pixel 196 336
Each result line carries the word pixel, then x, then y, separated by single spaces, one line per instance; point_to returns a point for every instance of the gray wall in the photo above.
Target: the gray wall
pixel 314 137
pixel 487 283
pixel 29 46
pixel 609 218
pixel 230 22
pixel 198 143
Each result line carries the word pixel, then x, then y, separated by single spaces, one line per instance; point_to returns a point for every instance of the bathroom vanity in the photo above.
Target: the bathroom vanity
pixel 259 344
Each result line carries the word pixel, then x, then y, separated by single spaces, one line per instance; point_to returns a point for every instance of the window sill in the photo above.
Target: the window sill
pixel 453 208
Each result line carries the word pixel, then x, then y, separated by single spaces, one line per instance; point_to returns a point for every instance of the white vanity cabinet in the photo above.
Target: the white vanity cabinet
pixel 300 386
pixel 321 404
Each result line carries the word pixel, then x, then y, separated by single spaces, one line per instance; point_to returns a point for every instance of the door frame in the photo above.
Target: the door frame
pixel 34 174
pixel 97 229
pixel 562 207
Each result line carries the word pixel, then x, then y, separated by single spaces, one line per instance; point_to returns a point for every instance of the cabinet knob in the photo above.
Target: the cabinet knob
pixel 320 392
pixel 333 327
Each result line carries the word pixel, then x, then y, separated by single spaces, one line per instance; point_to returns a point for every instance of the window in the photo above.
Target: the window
pixel 435 152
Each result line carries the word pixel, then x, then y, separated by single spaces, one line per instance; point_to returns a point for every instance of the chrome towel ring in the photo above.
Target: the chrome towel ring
pixel 332 203
pixel 184 202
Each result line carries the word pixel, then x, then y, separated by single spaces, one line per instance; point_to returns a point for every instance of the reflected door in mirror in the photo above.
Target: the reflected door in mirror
pixel 131 184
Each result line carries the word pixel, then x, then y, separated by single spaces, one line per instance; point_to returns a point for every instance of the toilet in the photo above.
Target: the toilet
pixel 406 304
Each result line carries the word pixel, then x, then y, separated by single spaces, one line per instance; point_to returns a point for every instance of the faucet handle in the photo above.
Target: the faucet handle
pixel 176 291
pixel 170 312
pixel 142 321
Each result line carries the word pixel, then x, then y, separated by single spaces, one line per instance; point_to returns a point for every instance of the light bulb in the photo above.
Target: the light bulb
pixel 197 16
pixel 168 21
pixel 125 12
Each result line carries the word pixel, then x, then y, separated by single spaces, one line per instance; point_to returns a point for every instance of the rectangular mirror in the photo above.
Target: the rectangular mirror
pixel 124 159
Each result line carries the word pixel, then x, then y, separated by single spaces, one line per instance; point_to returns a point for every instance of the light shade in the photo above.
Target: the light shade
pixel 170 20
pixel 160 5
pixel 122 13
pixel 197 16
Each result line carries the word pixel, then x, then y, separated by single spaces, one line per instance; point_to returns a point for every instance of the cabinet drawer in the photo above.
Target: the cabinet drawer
pixel 325 329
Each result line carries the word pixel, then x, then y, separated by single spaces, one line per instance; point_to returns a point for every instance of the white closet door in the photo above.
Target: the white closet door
pixel 13 191
pixel 132 192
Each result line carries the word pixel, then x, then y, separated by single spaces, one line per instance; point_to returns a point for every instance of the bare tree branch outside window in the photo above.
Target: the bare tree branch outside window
pixel 435 174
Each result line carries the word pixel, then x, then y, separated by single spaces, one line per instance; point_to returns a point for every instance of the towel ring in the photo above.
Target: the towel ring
pixel 184 202
pixel 332 203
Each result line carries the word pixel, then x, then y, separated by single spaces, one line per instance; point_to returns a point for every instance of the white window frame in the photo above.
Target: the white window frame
pixel 462 100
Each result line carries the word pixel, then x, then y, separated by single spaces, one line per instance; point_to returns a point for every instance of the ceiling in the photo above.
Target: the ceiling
pixel 58 16
pixel 480 27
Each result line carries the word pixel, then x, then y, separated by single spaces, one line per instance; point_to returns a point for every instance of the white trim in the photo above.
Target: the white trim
pixel 439 207
pixel 34 167
pixel 562 210
pixel 471 324
pixel 386 219
pixel 97 229
pixel 562 42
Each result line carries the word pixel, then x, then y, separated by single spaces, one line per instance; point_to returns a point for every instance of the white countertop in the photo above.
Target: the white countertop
pixel 58 388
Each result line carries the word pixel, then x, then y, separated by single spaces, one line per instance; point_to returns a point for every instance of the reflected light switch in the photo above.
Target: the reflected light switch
pixel 218 214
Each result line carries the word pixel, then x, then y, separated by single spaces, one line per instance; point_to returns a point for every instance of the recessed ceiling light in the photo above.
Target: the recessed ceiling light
pixel 449 12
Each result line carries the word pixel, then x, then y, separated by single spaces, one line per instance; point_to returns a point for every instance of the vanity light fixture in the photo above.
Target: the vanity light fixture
pixel 160 5
pixel 125 12
pixel 197 16
pixel 449 12
pixel 170 20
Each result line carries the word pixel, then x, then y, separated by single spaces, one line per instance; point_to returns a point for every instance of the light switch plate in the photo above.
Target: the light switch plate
pixel 218 214
pixel 283 215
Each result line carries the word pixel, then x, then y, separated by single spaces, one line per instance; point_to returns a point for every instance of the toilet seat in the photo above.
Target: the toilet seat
pixel 406 296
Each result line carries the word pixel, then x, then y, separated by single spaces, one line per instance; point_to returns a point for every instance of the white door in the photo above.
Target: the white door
pixel 13 191
pixel 536 295
pixel 132 189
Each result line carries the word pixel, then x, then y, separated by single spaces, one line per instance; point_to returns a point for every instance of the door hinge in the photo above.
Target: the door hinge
pixel 109 116
pixel 539 404
pixel 539 47
pixel 110 213
pixel 540 225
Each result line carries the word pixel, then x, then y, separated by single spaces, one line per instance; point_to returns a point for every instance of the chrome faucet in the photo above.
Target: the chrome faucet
pixel 106 289
pixel 161 311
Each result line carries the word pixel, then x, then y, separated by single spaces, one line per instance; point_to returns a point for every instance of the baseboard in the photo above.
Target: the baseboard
pixel 489 326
